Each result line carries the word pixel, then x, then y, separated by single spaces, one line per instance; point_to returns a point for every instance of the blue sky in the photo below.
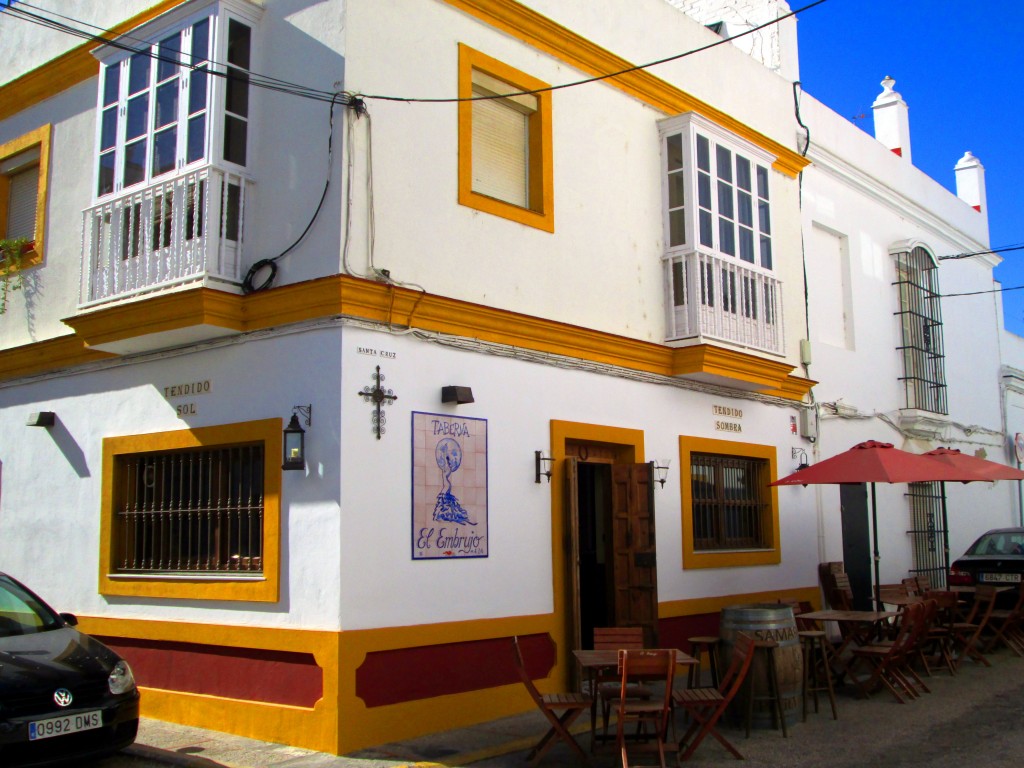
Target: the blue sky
pixel 959 66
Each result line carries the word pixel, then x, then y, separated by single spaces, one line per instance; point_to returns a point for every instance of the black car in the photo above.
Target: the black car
pixel 997 557
pixel 63 695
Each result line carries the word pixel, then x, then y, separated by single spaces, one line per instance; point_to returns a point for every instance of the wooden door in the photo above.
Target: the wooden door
pixel 635 552
pixel 572 549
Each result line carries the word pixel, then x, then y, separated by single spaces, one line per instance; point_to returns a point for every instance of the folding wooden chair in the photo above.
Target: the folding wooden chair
pixel 884 659
pixel 648 667
pixel 967 633
pixel 608 688
pixel 570 705
pixel 705 706
pixel 1005 624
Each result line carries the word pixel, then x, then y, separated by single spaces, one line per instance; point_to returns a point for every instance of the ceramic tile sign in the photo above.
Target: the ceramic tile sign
pixel 449 486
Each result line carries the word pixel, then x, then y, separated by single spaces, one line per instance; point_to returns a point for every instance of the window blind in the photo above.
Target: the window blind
pixel 21 210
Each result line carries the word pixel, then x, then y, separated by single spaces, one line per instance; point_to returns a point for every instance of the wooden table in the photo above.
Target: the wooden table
pixel 594 662
pixel 861 626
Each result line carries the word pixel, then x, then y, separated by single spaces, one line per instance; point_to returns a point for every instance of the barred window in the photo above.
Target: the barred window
pixel 920 313
pixel 197 510
pixel 731 502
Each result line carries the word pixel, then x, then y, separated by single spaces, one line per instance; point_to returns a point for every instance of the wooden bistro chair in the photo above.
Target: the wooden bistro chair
pixel 608 689
pixel 650 715
pixel 705 706
pixel 967 633
pixel 1005 624
pixel 559 709
pixel 885 658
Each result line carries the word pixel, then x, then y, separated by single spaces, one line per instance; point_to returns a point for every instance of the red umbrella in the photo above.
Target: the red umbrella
pixel 983 469
pixel 875 462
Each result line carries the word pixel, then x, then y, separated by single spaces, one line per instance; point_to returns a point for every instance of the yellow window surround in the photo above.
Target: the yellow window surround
pixel 540 212
pixel 37 141
pixel 197 586
pixel 772 555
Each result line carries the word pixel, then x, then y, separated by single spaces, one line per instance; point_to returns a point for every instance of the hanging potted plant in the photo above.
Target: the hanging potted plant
pixel 12 276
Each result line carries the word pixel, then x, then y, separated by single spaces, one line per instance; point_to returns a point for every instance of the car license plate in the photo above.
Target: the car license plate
pixel 1001 577
pixel 58 726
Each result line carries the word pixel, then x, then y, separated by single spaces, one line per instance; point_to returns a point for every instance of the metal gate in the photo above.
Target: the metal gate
pixel 928 534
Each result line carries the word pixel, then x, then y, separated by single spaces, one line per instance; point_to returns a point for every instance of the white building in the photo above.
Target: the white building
pixel 613 270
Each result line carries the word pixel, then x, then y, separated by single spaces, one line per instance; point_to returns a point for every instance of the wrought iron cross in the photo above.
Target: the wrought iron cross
pixel 378 396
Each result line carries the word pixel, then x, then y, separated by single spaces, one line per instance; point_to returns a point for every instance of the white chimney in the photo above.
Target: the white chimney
pixel 970 182
pixel 892 120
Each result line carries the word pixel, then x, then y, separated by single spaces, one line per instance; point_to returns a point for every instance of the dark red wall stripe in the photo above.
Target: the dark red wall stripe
pixel 274 677
pixel 411 674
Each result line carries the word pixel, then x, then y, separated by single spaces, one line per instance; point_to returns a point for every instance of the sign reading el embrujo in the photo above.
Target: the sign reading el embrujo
pixel 449 486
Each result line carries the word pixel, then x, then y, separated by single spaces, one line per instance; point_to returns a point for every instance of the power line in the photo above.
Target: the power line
pixel 598 78
pixel 1003 249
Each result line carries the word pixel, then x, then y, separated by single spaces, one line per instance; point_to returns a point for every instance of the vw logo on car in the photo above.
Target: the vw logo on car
pixel 62 697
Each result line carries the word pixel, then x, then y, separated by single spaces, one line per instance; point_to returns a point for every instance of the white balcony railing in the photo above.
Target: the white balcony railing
pixel 184 230
pixel 720 298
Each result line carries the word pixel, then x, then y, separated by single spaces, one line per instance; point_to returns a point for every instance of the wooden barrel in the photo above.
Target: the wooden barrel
pixel 766 621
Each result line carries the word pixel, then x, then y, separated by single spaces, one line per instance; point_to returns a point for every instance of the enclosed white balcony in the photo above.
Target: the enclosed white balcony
pixel 721 298
pixel 183 232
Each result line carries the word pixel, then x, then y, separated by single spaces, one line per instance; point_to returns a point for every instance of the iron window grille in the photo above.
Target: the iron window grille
pixel 921 346
pixel 928 535
pixel 190 511
pixel 731 502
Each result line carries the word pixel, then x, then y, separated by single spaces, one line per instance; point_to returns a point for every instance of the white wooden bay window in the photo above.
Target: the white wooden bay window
pixel 172 149
pixel 718 237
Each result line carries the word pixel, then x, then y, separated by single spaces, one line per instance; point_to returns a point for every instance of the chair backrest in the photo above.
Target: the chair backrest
pixel 647 665
pixel 524 676
pixel 842 595
pixel 739 664
pixel 984 602
pixel 911 586
pixel 891 590
pixel 924 584
pixel 617 638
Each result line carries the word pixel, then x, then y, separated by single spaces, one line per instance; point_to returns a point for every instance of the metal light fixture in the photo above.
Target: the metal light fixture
pixel 457 395
pixel 661 470
pixel 295 438
pixel 543 463
pixel 800 453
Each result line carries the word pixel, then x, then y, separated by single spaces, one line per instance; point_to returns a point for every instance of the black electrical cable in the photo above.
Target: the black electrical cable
pixel 248 284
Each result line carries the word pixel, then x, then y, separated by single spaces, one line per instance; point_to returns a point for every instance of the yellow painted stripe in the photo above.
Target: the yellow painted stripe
pixel 565 45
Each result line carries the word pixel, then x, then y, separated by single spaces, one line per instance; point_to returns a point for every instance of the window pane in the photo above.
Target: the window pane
pixel 743 173
pixel 138 116
pixel 235 131
pixel 725 200
pixel 239 43
pixel 726 237
pixel 706 237
pixel 166 104
pixel 764 222
pixel 747 244
pixel 168 57
pixel 200 42
pixel 165 146
pixel 233 212
pixel 766 252
pixel 106 179
pixel 762 182
pixel 744 209
pixel 108 129
pixel 501 163
pixel 674 152
pixel 676 190
pixel 196 139
pixel 677 227
pixel 703 190
pixel 134 163
pixel 236 95
pixel 197 86
pixel 723 163
pixel 678 284
pixel 111 84
pixel 703 154
pixel 138 72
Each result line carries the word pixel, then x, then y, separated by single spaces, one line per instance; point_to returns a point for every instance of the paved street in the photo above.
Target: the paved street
pixel 972 719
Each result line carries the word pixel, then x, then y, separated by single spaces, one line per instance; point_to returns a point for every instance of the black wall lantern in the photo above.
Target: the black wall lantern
pixel 295 438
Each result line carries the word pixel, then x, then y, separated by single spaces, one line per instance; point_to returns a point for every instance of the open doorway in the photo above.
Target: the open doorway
pixel 596 555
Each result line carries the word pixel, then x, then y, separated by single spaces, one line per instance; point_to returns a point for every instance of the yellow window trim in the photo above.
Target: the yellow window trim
pixel 198 588
pixel 693 559
pixel 541 214
pixel 40 138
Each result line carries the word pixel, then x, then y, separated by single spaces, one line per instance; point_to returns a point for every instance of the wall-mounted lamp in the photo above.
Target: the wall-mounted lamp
pixel 661 470
pixel 543 463
pixel 295 438
pixel 42 419
pixel 457 395
pixel 801 454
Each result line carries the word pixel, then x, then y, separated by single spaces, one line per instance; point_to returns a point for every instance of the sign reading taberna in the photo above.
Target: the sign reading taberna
pixel 449 486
